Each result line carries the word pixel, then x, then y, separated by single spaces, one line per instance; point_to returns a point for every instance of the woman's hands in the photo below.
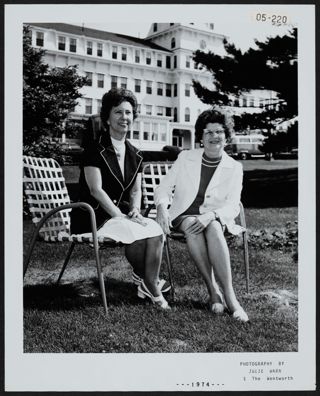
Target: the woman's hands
pixel 135 213
pixel 200 223
pixel 163 218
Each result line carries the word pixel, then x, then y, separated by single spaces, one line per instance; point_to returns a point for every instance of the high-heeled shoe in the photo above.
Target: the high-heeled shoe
pixel 144 292
pixel 163 285
pixel 240 315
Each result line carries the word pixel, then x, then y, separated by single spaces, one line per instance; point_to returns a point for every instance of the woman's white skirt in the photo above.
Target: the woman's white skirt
pixel 121 229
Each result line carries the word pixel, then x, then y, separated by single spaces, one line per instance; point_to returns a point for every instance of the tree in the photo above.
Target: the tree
pixel 272 66
pixel 48 94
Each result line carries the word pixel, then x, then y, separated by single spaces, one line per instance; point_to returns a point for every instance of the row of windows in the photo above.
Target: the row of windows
pixel 154 132
pixel 117 53
pixel 148 110
pixel 159 88
pixel 252 102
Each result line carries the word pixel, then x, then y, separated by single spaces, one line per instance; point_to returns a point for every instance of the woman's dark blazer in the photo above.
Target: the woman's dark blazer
pixel 101 154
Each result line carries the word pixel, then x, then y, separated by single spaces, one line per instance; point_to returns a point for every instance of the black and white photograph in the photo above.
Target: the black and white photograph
pixel 160 185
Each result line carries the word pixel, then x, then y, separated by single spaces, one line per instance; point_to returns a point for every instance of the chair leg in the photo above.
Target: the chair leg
pixel 66 261
pixel 30 250
pixel 169 266
pixel 246 258
pixel 100 278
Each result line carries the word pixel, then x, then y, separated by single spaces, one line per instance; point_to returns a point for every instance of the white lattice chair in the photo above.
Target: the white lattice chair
pixel 152 174
pixel 49 203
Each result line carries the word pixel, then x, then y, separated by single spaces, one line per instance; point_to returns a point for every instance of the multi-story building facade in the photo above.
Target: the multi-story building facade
pixel 159 70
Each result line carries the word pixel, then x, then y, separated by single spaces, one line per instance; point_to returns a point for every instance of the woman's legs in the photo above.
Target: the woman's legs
pixel 220 260
pixel 145 256
pixel 135 253
pixel 198 251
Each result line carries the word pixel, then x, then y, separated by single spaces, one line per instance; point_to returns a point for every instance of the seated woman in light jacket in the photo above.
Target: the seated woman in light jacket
pixel 207 186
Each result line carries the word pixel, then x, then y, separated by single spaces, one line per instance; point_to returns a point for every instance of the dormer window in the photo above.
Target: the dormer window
pixel 211 26
pixel 173 42
pixel 171 24
pixel 155 27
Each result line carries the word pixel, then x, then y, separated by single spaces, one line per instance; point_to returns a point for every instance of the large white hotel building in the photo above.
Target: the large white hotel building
pixel 158 69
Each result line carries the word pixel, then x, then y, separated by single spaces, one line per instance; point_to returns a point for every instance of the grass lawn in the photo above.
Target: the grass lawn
pixel 70 317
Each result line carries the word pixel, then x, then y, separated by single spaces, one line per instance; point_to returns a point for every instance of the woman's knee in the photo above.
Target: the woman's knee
pixel 214 229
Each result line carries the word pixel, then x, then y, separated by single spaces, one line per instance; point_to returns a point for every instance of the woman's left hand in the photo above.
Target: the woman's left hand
pixel 135 213
pixel 200 223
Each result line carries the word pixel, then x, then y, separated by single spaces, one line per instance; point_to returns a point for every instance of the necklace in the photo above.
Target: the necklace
pixel 209 163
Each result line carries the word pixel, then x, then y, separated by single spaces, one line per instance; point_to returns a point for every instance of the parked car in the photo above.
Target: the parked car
pixel 292 154
pixel 246 146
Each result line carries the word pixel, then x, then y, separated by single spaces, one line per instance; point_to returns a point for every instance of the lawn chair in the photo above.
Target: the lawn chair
pixel 49 203
pixel 151 175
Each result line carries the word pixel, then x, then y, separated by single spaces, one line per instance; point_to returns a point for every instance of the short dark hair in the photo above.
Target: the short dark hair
pixel 114 98
pixel 213 116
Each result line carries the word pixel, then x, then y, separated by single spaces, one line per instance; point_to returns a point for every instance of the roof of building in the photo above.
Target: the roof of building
pixel 100 35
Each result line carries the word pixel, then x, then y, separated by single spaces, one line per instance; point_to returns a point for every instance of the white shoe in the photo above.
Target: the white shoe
pixel 143 292
pixel 217 308
pixel 240 315
pixel 163 285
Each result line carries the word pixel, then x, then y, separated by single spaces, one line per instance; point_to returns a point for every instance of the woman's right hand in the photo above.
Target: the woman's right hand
pixel 163 219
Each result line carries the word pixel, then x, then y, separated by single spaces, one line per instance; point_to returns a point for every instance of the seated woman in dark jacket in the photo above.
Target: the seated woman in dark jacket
pixel 110 181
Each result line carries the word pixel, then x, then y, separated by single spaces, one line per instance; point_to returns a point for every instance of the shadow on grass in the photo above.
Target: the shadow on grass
pixel 83 294
pixel 78 294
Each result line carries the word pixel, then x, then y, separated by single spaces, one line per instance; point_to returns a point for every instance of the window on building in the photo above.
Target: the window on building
pixel 211 26
pixel 146 130
pixel 99 105
pixel 251 102
pixel 124 54
pixel 114 81
pixel 137 85
pixel 187 90
pixel 100 80
pixel 88 106
pixel 61 43
pixel 168 62
pixel 124 82
pixel 261 103
pixel 188 61
pixel 114 52
pixel 175 114
pixel 244 102
pixel 187 114
pixel 139 108
pixel 160 110
pixel 171 24
pixel 73 45
pixel 175 89
pixel 149 87
pixel 159 60
pixel 137 56
pixel 148 109
pixel 99 49
pixel 148 58
pixel 175 62
pixel 155 132
pixel 155 27
pixel 135 131
pixel 236 103
pixel 168 90
pixel 39 39
pixel 89 78
pixel 173 42
pixel 160 88
pixel 168 111
pixel 89 47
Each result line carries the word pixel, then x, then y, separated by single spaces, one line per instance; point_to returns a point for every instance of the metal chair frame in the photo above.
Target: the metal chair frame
pixel 49 204
pixel 151 176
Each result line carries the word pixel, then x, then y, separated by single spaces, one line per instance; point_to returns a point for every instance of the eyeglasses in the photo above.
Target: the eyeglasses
pixel 207 132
